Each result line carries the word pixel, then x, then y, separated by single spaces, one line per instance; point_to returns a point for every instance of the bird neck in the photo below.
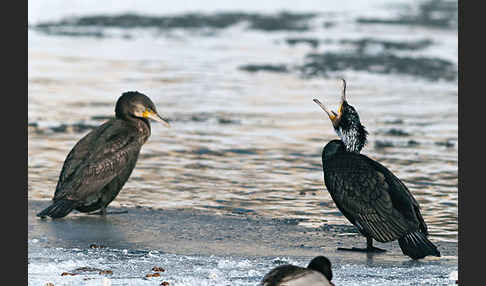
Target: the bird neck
pixel 141 124
pixel 144 124
pixel 353 139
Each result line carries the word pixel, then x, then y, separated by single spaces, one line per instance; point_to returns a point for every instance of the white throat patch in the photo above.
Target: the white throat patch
pixel 350 139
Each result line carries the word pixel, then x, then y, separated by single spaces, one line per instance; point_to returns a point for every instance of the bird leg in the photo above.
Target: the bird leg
pixel 103 212
pixel 369 247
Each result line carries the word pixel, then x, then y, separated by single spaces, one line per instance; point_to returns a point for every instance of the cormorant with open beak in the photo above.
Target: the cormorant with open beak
pixel 100 163
pixel 369 195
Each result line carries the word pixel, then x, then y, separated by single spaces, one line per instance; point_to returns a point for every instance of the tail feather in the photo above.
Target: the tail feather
pixel 416 245
pixel 58 209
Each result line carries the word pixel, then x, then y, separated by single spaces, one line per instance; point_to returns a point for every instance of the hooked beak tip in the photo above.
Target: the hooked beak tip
pixel 343 90
pixel 165 121
pixel 156 117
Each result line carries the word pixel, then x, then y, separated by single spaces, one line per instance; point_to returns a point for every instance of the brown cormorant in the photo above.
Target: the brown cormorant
pixel 100 163
pixel 317 273
pixel 369 195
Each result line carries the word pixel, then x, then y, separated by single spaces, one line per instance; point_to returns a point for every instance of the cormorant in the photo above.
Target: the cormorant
pixel 369 195
pixel 100 163
pixel 317 273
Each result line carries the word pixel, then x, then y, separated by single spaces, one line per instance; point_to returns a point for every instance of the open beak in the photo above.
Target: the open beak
pixel 332 115
pixel 335 117
pixel 155 116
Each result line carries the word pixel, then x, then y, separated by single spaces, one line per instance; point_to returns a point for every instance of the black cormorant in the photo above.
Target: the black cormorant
pixel 317 273
pixel 100 163
pixel 367 193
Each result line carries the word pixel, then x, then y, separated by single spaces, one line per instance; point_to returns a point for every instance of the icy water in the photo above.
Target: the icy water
pixel 237 82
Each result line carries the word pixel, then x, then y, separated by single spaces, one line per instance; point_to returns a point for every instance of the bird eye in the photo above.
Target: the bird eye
pixel 147 111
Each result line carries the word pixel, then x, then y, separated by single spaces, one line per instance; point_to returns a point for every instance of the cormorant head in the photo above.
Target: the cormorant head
pixel 346 123
pixel 323 265
pixel 135 104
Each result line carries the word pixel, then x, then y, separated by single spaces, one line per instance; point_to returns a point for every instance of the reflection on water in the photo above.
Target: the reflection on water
pixel 242 142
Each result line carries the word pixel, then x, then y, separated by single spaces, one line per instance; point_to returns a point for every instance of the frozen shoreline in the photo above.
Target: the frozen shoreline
pixel 128 244
pixel 190 231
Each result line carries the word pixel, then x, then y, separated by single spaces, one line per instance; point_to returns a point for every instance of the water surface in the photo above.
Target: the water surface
pixel 246 142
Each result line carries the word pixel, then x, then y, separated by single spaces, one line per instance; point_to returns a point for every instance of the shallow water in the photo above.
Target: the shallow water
pixel 244 142
pixel 247 141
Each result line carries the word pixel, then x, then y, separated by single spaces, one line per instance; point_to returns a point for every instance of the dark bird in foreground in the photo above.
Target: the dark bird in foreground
pixel 367 193
pixel 100 163
pixel 317 273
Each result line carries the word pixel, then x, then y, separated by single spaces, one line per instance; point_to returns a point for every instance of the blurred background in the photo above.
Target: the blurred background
pixel 237 79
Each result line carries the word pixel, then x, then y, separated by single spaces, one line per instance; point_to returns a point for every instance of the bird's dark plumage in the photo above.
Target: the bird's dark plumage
pixel 318 272
pixel 98 166
pixel 369 195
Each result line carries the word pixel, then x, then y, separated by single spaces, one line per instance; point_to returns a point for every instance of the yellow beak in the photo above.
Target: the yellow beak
pixel 335 118
pixel 148 113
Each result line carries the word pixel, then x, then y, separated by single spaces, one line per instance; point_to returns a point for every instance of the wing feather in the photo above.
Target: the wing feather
pixel 367 196
pixel 96 160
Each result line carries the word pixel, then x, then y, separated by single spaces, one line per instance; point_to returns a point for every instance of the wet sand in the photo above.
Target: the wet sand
pixel 194 232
